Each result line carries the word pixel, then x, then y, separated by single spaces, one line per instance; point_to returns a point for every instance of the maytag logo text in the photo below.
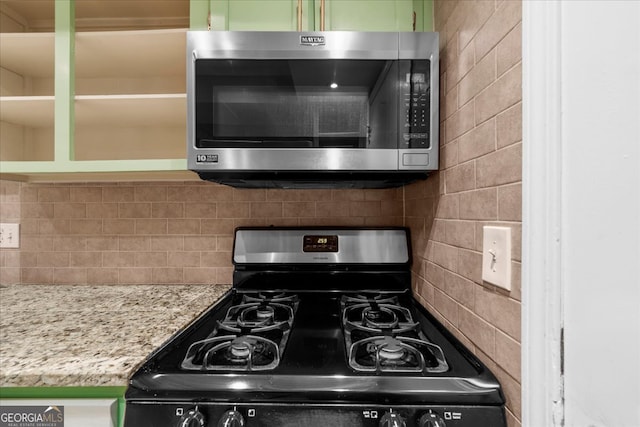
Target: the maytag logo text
pixel 312 40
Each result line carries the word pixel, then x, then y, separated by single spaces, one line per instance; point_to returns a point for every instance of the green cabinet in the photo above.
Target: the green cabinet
pixel 90 91
pixel 339 15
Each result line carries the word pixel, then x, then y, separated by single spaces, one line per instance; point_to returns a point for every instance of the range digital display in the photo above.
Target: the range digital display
pixel 320 243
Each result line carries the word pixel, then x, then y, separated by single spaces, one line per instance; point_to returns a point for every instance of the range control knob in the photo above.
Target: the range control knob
pixel 231 418
pixel 193 418
pixel 431 419
pixel 392 419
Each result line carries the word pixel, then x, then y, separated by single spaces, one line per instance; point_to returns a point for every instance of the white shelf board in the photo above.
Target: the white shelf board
pixel 131 110
pixel 28 54
pixel 147 53
pixel 131 14
pixel 30 111
pixel 93 166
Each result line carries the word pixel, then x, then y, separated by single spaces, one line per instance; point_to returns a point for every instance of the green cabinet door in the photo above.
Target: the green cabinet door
pixel 260 15
pixel 367 15
pixel 424 14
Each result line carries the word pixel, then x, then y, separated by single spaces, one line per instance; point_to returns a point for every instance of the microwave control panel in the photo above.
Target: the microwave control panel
pixel 415 104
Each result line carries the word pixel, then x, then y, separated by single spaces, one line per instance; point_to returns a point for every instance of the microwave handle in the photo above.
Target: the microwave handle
pixel 255 143
pixel 226 143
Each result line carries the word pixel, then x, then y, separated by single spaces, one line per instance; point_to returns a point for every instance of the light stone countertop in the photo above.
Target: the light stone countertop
pixel 90 336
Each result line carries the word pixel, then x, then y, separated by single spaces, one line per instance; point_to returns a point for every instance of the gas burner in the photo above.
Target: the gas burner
pixel 379 317
pixel 240 348
pixel 230 352
pixel 396 354
pixel 262 312
pixel 390 349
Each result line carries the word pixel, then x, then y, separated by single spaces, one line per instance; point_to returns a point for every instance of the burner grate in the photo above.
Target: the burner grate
pixel 231 352
pixel 381 336
pixel 251 337
pixel 398 354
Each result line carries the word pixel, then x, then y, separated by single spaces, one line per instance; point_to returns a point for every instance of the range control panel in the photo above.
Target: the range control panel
pixel 320 243
pixel 210 414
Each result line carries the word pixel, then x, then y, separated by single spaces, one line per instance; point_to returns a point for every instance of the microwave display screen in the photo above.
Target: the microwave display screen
pixel 309 103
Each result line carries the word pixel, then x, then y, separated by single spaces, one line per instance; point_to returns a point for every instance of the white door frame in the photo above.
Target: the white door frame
pixel 542 304
pixel 581 210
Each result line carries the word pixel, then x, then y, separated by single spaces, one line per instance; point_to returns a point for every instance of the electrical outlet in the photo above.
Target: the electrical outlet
pixel 9 235
pixel 496 256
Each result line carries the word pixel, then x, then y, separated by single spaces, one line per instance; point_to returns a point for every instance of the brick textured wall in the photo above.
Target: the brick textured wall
pixel 149 233
pixel 479 183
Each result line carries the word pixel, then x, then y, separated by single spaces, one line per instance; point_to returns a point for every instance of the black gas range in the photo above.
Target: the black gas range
pixel 319 329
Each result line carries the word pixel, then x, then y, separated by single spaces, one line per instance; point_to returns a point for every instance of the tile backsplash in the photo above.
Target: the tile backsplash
pixel 479 183
pixel 169 232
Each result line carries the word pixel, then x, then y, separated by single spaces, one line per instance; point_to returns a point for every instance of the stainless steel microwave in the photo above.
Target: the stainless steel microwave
pixel 315 109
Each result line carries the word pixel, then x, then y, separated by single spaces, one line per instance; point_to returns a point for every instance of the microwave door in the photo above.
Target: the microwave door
pixel 288 103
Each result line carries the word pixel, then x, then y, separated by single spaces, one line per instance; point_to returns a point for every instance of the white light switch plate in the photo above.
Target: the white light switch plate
pixel 9 235
pixel 496 256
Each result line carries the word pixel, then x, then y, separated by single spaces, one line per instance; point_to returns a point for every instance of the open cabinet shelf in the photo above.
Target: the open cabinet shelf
pixel 120 127
pixel 26 128
pixel 27 62
pixel 130 62
pixel 131 101
pixel 127 93
pixel 26 97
